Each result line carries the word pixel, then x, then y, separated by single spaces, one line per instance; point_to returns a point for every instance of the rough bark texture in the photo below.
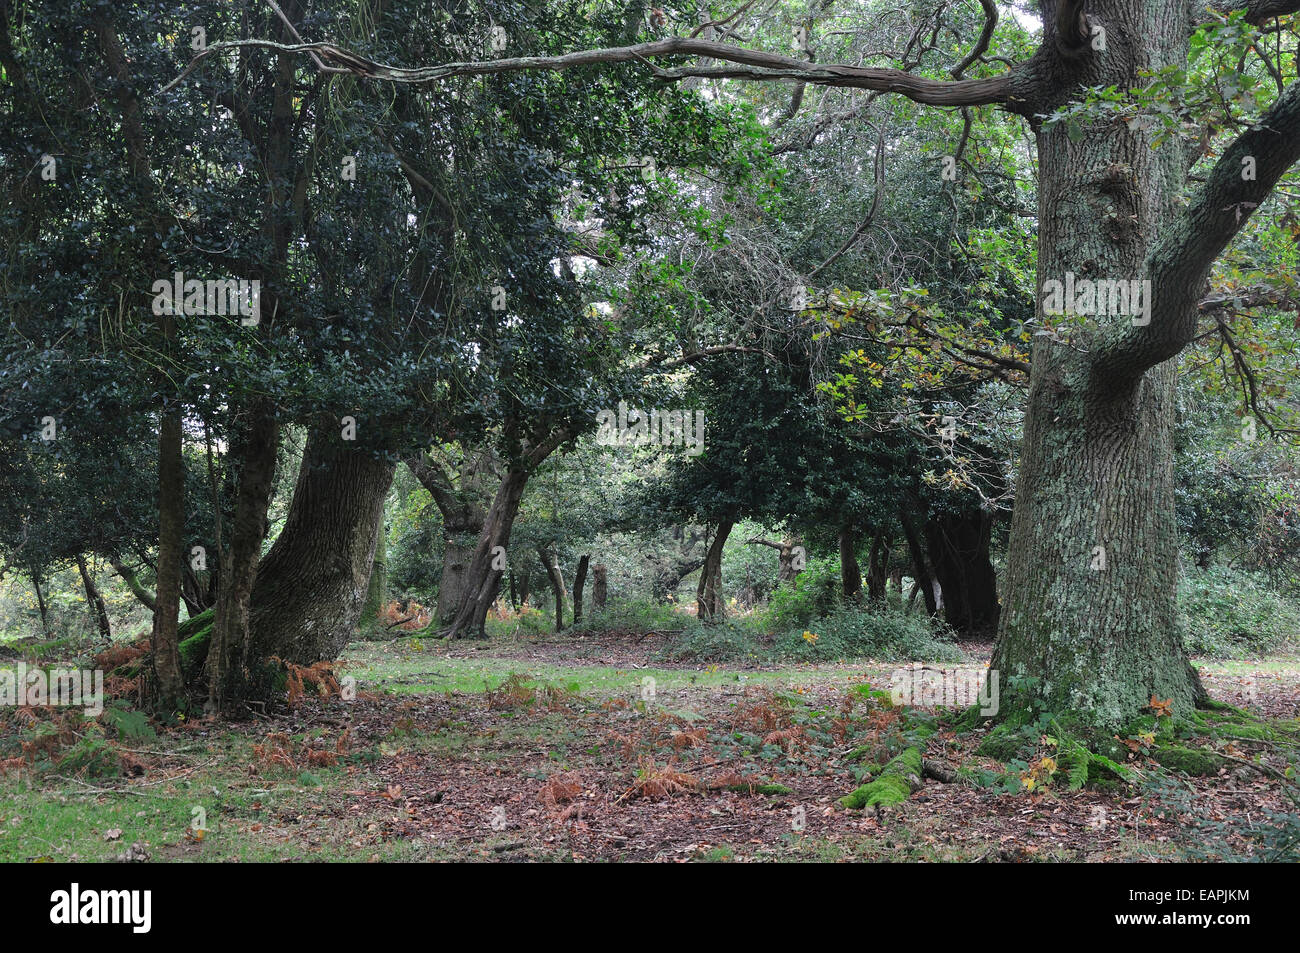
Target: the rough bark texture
pixel 1096 478
pixel 482 578
pixel 709 606
pixel 313 583
pixel 959 551
pixel 599 585
pixel 171 531
pixel 464 508
pixel 227 651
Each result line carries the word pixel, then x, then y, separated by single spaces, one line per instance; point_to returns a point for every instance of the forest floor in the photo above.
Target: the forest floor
pixel 549 749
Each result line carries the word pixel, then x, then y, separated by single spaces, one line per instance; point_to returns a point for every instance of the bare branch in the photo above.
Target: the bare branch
pixel 750 64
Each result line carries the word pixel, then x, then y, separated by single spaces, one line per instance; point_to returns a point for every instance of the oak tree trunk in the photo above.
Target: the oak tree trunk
pixel 1088 614
pixel 313 582
pixel 550 564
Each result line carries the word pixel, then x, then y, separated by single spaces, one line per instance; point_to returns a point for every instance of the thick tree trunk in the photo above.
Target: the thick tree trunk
pixel 227 652
pixel 959 552
pixel 485 571
pixel 171 540
pixel 482 578
pixel 579 583
pixel 1088 615
pixel 552 567
pixel 464 509
pixel 599 585
pixel 525 578
pixel 98 608
pixel 850 571
pixel 709 605
pixel 312 585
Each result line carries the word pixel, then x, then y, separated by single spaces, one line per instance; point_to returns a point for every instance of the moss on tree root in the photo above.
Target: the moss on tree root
pixel 898 780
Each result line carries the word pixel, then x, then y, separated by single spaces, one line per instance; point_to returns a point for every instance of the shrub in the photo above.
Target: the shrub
pixel 850 631
pixel 632 616
pixel 1230 613
pixel 846 632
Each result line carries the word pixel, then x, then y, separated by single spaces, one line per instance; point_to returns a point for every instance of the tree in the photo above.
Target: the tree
pixel 1096 485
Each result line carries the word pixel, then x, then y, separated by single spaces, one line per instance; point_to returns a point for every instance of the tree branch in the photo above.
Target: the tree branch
pixel 1180 263
pixel 750 64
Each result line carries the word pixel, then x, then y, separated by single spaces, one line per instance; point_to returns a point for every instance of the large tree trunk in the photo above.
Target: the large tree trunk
pixel 709 606
pixel 228 650
pixel 313 583
pixel 959 552
pixel 96 601
pixel 482 577
pixel 171 539
pixel 1096 485
pixel 464 509
pixel 599 585
pixel 485 569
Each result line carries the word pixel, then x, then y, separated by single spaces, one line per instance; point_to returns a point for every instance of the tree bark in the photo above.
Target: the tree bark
pixel 959 551
pixel 1088 617
pixel 377 590
pixel 40 604
pixel 709 605
pixel 482 578
pixel 171 533
pixel 98 608
pixel 579 583
pixel 312 585
pixel 920 569
pixel 133 583
pixel 850 572
pixel 552 567
pixel 228 650
pixel 599 585
pixel 877 568
pixel 464 510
